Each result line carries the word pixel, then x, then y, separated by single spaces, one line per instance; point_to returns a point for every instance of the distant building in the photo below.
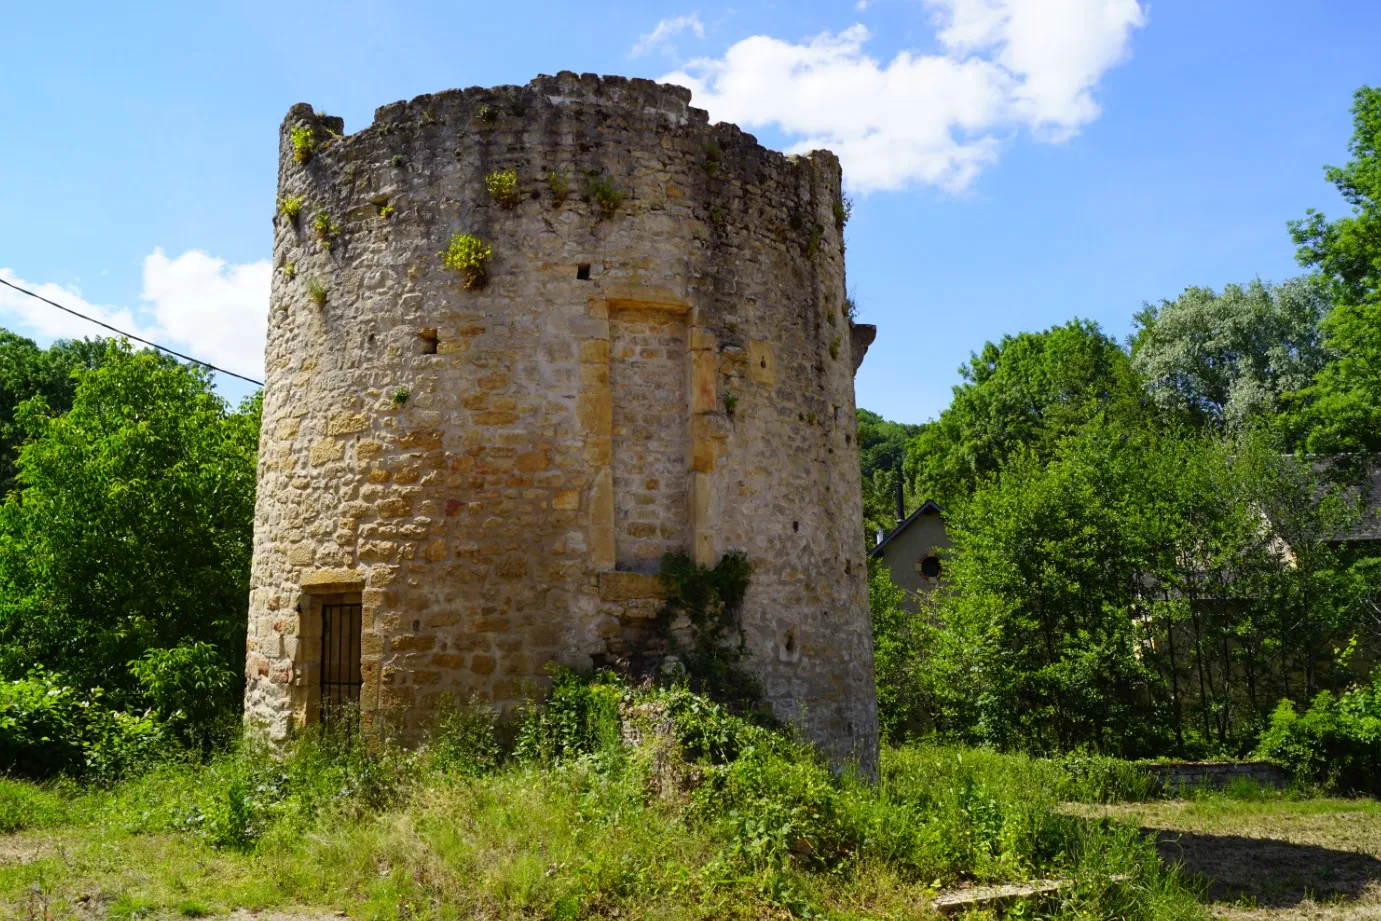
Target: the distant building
pixel 915 551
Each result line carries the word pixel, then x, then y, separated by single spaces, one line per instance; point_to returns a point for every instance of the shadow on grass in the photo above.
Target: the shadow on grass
pixel 1264 871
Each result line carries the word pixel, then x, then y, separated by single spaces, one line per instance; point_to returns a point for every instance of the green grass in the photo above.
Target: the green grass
pixel 719 819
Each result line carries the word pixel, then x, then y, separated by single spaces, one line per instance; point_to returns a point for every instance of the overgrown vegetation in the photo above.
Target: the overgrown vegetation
pixel 711 150
pixel 124 555
pixel 468 256
pixel 325 229
pixel 1145 559
pixel 317 292
pixel 560 188
pixel 1335 744
pixel 503 188
pixel 303 140
pixel 604 195
pixel 291 206
pixel 843 210
pixel 700 622
pixel 400 396
pixel 707 815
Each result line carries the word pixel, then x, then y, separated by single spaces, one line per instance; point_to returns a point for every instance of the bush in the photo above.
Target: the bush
pixel 708 601
pixel 49 728
pixel 580 716
pixel 898 648
pixel 503 187
pixel 192 690
pixel 1335 744
pixel 469 256
pixel 465 741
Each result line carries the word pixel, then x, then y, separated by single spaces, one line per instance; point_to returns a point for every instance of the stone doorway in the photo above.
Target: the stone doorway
pixel 341 679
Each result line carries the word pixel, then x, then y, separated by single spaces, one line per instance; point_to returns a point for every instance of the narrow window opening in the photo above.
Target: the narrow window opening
pixel 848 567
pixel 791 640
pixel 582 271
pixel 429 341
pixel 796 526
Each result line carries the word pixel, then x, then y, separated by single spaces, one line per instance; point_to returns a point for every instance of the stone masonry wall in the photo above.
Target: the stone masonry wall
pixel 494 471
pixel 651 429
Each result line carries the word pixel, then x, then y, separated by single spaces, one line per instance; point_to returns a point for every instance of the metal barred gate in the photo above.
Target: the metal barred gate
pixel 340 659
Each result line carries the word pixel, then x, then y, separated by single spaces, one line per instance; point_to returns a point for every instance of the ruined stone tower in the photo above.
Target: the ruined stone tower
pixel 460 484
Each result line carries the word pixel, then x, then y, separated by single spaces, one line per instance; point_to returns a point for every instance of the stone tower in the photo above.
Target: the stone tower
pixel 460 484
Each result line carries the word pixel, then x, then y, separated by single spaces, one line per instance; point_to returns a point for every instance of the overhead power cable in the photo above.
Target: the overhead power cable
pixel 161 348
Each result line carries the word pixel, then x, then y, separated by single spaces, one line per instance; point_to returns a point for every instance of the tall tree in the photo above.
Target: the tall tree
pixel 1344 405
pixel 27 371
pixel 1024 393
pixel 1222 360
pixel 132 528
pixel 881 453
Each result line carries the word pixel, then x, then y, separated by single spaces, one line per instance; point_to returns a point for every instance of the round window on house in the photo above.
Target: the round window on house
pixel 930 567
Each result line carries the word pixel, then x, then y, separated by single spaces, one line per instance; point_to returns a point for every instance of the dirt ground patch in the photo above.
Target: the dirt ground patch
pixel 1270 859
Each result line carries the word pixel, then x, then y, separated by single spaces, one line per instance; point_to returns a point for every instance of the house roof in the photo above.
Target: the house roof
pixel 927 508
pixel 1368 526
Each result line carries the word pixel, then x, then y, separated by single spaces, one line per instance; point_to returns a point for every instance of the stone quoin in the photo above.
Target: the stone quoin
pixel 461 485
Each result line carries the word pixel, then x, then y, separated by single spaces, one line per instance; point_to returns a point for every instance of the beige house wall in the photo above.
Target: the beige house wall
pixel 902 554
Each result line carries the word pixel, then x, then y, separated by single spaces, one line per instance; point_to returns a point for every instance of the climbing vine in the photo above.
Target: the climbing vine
pixel 710 600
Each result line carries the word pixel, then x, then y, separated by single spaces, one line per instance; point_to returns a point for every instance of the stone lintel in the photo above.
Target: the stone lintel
pixel 629 586
pixel 646 297
pixel 332 581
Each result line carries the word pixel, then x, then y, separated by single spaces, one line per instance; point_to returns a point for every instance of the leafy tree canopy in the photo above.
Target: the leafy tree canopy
pixel 132 527
pixel 1025 392
pixel 1224 360
pixel 881 442
pixel 1344 406
pixel 27 371
pixel 881 453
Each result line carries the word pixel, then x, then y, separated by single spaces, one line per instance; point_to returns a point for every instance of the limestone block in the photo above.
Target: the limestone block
pixel 762 362
pixel 332 581
pixel 629 586
pixel 347 423
pixel 326 450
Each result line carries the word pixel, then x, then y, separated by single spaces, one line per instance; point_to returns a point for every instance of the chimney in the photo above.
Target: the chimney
pixel 880 536
pixel 901 501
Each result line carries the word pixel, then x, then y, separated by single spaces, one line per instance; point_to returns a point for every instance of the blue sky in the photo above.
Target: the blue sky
pixel 1014 163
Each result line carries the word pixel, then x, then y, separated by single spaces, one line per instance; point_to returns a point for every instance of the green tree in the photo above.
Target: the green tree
pixel 1225 359
pixel 881 454
pixel 132 529
pixel 1024 393
pixel 1035 645
pixel 27 371
pixel 1143 591
pixel 898 645
pixel 1344 406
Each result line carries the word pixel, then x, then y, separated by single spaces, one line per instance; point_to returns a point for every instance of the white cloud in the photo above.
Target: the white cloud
pixel 861 5
pixel 194 303
pixel 219 311
pixel 932 118
pixel 666 30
